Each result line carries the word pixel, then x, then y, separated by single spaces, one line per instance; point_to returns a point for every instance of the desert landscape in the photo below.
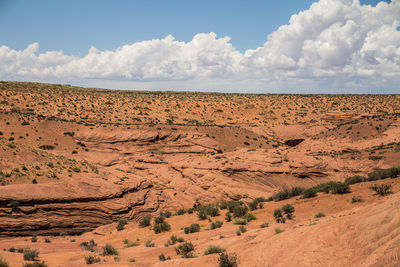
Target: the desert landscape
pixel 140 178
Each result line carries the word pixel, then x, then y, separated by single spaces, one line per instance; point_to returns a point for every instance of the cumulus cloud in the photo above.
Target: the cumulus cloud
pixel 333 42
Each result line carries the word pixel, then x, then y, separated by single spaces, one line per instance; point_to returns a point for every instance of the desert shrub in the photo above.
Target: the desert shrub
pixel 355 199
pixel 382 190
pixel 232 204
pixel 223 205
pixel 278 231
pixel 279 216
pixel 216 224
pixel 90 259
pixel 149 244
pixel 264 225
pixel 186 250
pixel 309 193
pixel 250 217
pixel 212 249
pixel 69 133
pixel 326 187
pixel 287 193
pixel 163 258
pixel 181 212
pixel 30 254
pixel 204 211
pixel 240 211
pixel 340 188
pixel 383 174
pixel 11 249
pixel 240 221
pixel 355 179
pixel 193 228
pixel 319 214
pixel 145 221
pixel 202 215
pixel 281 195
pixel 34 238
pixel 288 210
pixel 129 244
pixel 238 232
pixel 166 214
pixel 228 217
pixel 121 224
pixel 109 250
pixel 47 147
pixel 253 205
pixel 88 245
pixel 296 191
pixel 3 263
pixel 226 260
pixel 161 227
pixel 35 264
pixel 242 229
pixel 174 239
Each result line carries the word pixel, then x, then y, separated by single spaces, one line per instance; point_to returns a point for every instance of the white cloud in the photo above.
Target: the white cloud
pixel 333 43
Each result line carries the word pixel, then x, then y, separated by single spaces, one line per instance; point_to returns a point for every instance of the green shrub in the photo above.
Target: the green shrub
pixel 278 231
pixel 204 211
pixel 161 227
pixel 228 217
pixel 341 188
pixel 193 228
pixel 355 179
pixel 212 249
pixel 355 199
pixel 181 212
pixel 223 205
pixel 242 229
pixel 382 190
pixel 163 258
pixel 30 254
pixel 174 239
pixel 319 214
pixel 383 174
pixel 240 211
pixel 145 221
pixel 279 216
pixel 109 250
pixel 309 193
pixel 186 250
pixel 129 244
pixel 121 224
pixel 35 264
pixel 240 221
pixel 90 259
pixel 166 214
pixel 216 224
pixel 226 260
pixel 34 238
pixel 250 217
pixel 288 210
pixel 3 263
pixel 264 225
pixel 88 245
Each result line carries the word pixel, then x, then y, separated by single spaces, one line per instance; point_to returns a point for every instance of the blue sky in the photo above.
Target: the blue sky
pixel 74 26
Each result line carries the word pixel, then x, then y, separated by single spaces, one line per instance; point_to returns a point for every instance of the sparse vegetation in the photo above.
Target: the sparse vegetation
pixel 226 260
pixel 30 254
pixel 381 190
pixel 212 249
pixel 186 250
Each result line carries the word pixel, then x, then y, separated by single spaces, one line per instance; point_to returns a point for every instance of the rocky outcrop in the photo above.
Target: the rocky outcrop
pixel 74 207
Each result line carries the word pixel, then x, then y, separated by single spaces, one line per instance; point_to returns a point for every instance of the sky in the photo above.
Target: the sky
pixel 255 46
